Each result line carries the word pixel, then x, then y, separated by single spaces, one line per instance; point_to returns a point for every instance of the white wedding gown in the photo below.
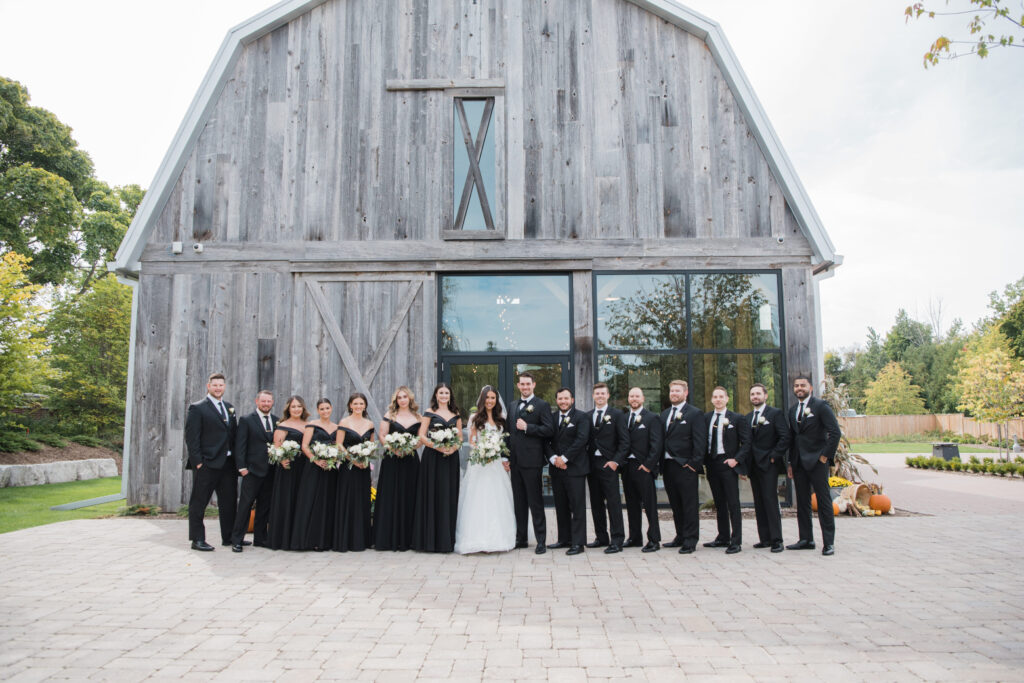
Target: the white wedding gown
pixel 486 522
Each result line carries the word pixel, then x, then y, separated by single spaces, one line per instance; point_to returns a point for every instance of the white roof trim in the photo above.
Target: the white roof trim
pixel 127 260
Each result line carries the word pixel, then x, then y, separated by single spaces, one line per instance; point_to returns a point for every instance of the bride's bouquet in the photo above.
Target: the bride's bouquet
pixel 361 454
pixel 489 446
pixel 401 444
pixel 328 453
pixel 283 454
pixel 445 438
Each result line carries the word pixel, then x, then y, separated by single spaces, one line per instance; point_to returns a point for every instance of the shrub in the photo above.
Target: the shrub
pixel 12 442
pixel 50 439
pixel 86 440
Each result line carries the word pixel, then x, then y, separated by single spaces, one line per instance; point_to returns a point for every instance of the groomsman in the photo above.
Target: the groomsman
pixel 255 432
pixel 646 436
pixel 769 448
pixel 814 436
pixel 686 439
pixel 569 466
pixel 728 451
pixel 532 426
pixel 209 434
pixel 608 447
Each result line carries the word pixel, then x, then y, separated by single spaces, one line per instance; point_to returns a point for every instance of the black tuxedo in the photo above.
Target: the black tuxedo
pixel 209 437
pixel 526 464
pixel 685 444
pixel 769 451
pixel 724 480
pixel 568 486
pixel 646 438
pixel 817 434
pixel 609 442
pixel 251 441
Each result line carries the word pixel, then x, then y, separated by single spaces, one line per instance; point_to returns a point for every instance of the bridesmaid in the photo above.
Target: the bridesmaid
pixel 352 513
pixel 437 491
pixel 395 508
pixel 287 477
pixel 314 509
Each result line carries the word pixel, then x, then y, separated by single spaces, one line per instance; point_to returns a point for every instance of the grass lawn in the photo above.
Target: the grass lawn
pixel 26 506
pixel 916 448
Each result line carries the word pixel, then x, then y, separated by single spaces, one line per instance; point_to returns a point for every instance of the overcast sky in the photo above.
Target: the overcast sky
pixel 917 174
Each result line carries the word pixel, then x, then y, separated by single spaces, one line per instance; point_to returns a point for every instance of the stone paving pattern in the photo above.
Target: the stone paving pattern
pixel 929 597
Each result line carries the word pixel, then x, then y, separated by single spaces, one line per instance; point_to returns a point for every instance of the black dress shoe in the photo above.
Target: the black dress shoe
pixel 762 544
pixel 686 550
pixel 732 550
pixel 630 543
pixel 558 546
pixel 613 549
pixel 716 544
pixel 801 545
pixel 574 550
pixel 777 547
pixel 229 543
pixel 521 544
pixel 201 545
pixel 828 550
pixel 650 547
pixel 540 549
pixel 597 544
pixel 236 548
pixel 674 543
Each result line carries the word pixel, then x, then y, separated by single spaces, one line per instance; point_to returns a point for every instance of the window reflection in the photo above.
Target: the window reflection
pixel 650 372
pixel 505 313
pixel 735 311
pixel 737 373
pixel 641 311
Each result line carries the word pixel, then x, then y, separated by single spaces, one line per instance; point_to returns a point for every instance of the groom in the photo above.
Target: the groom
pixel 532 426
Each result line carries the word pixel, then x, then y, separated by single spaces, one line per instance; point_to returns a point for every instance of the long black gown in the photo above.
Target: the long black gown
pixel 437 496
pixel 352 510
pixel 284 495
pixel 394 510
pixel 313 526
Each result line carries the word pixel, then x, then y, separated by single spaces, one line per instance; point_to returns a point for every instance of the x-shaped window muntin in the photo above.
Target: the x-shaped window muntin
pixel 474 150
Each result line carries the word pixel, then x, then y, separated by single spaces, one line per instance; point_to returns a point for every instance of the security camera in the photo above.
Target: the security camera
pixel 197 247
pixel 780 239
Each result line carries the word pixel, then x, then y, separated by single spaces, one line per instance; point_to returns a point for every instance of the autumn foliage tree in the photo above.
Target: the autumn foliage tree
pixel 894 393
pixel 990 378
pixel 20 341
pixel 992 25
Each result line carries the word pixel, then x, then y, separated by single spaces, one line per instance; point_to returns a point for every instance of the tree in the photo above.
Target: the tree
pixel 990 378
pixel 20 344
pixel 893 393
pixel 988 12
pixel 1012 325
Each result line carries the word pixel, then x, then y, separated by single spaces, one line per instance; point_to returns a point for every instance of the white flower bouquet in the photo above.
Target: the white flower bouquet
pixel 328 453
pixel 489 446
pixel 283 454
pixel 446 438
pixel 361 454
pixel 401 444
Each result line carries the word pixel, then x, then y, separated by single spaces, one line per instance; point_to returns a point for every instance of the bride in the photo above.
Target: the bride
pixel 486 519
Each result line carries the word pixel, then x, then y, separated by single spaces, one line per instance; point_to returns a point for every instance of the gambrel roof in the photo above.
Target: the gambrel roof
pixel 129 254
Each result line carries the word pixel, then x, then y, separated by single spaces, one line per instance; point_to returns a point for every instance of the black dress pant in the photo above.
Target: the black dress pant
pixel 254 490
pixel 205 481
pixel 804 481
pixel 569 493
pixel 681 487
pixel 641 492
pixel 725 488
pixel 528 497
pixel 605 500
pixel 765 487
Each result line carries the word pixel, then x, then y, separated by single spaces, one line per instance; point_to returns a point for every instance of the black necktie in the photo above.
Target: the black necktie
pixel 713 445
pixel 632 420
pixel 754 421
pixel 266 422
pixel 672 417
pixel 220 409
pixel 597 417
pixel 800 413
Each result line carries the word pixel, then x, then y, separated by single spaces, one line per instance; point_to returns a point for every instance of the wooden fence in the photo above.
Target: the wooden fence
pixel 867 427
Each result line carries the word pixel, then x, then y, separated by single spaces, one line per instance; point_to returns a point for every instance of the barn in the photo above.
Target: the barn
pixel 366 194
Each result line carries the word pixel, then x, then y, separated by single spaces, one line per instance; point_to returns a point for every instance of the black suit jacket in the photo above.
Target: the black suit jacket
pixel 570 440
pixel 816 435
pixel 610 436
pixel 735 440
pixel 208 438
pixel 251 439
pixel 528 448
pixel 686 438
pixel 769 441
pixel 646 439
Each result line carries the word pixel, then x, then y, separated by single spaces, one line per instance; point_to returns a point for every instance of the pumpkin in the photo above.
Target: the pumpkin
pixel 835 508
pixel 252 519
pixel 814 502
pixel 880 503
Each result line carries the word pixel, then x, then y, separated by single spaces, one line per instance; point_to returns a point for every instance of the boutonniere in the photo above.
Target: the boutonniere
pixel 529 407
pixel 725 422
pixel 808 414
pixel 762 421
pixel 679 417
pixel 607 419
pixel 231 411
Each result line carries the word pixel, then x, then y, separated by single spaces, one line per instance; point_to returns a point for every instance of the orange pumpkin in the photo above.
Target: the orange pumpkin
pixel 835 508
pixel 880 503
pixel 252 519
pixel 814 502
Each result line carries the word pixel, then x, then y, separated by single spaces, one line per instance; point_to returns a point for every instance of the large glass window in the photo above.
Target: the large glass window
pixel 706 328
pixel 473 190
pixel 502 313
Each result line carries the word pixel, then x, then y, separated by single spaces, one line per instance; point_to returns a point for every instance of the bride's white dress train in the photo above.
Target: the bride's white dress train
pixel 486 521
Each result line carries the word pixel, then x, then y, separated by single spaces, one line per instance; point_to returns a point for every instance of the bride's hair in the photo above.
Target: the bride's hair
pixel 480 417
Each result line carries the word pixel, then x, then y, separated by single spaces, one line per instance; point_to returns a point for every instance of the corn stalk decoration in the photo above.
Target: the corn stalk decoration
pixel 846 463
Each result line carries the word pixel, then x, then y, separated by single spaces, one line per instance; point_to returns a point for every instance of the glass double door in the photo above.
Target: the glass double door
pixel 467 375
